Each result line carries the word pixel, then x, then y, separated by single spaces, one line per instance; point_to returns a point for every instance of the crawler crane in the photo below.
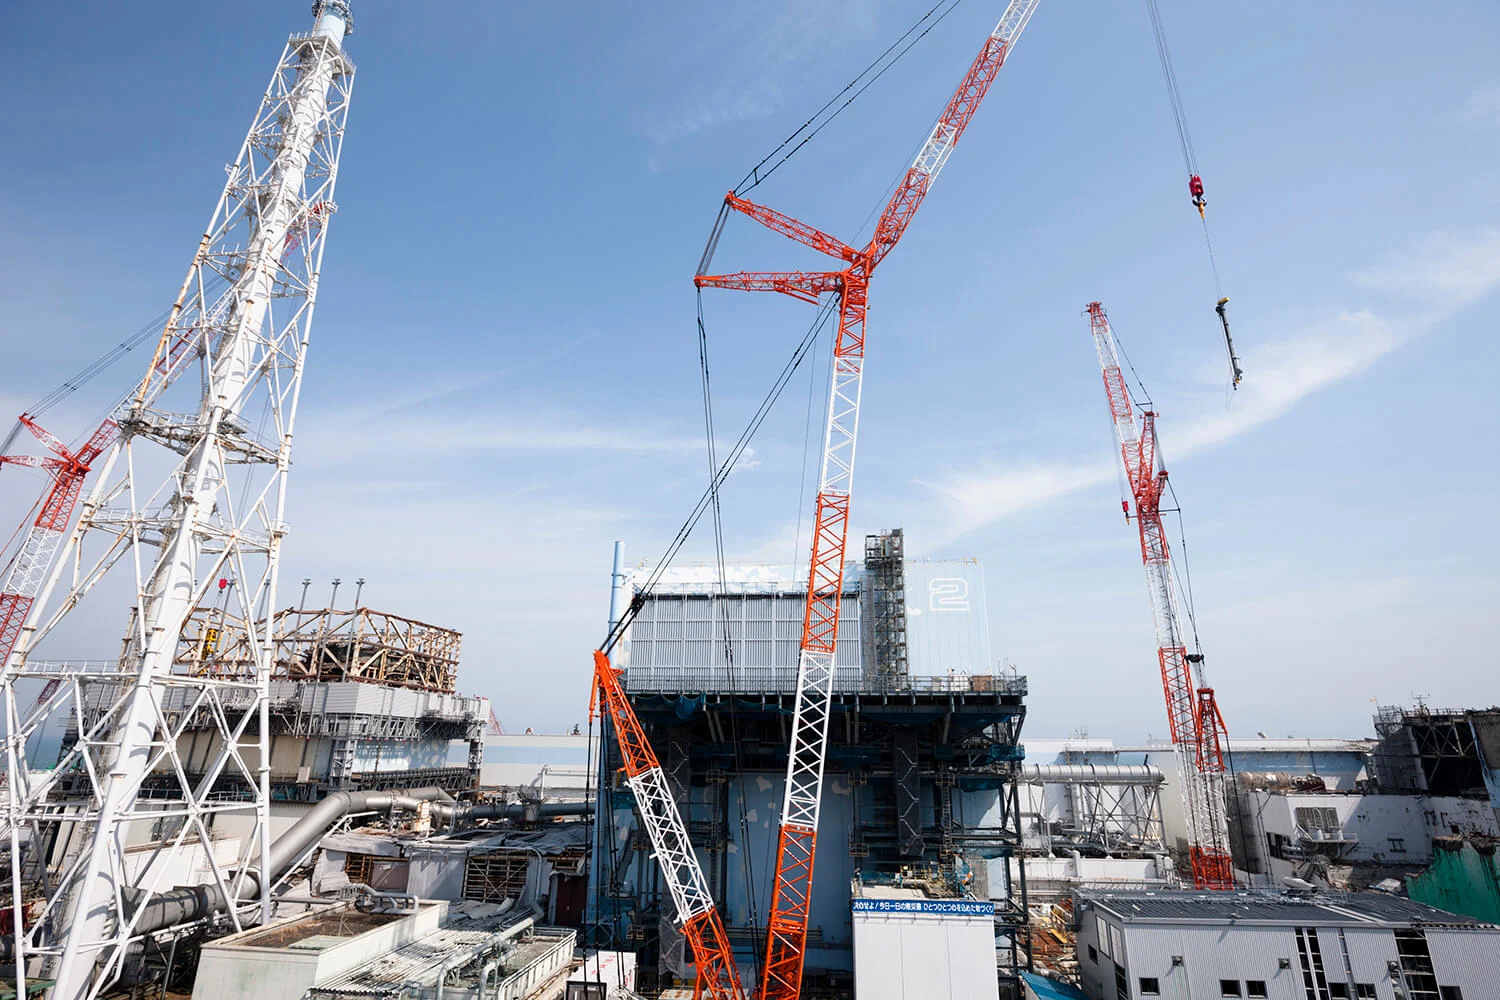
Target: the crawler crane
pixel 1197 727
pixel 791 894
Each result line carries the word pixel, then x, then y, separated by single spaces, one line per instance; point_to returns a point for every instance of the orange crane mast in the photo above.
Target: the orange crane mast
pixel 791 894
pixel 717 976
pixel 1197 726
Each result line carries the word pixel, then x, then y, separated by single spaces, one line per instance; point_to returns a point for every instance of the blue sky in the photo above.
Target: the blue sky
pixel 503 377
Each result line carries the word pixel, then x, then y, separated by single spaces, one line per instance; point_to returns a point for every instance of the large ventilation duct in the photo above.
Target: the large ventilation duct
pixel 188 903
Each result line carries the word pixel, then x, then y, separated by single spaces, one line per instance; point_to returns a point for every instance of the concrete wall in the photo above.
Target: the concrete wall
pixel 1049 879
pixel 231 967
pixel 556 766
pixel 1390 829
pixel 190 866
pixel 1340 763
pixel 923 953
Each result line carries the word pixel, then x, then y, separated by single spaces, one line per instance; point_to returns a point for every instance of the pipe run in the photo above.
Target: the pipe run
pixel 186 904
pixel 1092 774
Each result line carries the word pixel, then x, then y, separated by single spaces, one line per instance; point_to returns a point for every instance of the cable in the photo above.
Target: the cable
pixel 799 354
pixel 1190 161
pixel 812 378
pixel 1174 94
pixel 1143 402
pixel 1185 582
pixel 755 177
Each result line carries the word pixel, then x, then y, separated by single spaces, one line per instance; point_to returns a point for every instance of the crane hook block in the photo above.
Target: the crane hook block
pixel 1195 188
pixel 1234 362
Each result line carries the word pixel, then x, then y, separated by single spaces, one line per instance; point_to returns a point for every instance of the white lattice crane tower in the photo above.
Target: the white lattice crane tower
pixel 192 494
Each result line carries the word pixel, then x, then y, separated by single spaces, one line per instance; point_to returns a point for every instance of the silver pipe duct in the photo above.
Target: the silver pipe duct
pixel 1092 774
pixel 464 813
pixel 186 904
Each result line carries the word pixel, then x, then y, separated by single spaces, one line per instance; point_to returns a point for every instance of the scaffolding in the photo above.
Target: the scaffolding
pixel 369 647
pixel 885 568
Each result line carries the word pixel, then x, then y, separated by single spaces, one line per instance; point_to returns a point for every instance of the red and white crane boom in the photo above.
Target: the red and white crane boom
pixel 1197 727
pixel 696 914
pixel 791 894
pixel 23 577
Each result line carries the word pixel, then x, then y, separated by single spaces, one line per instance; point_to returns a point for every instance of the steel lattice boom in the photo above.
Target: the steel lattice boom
pixel 791 894
pixel 1197 727
pixel 192 492
pixel 717 976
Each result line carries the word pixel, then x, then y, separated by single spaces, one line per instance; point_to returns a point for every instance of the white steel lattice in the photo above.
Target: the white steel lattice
pixel 192 494
pixel 669 840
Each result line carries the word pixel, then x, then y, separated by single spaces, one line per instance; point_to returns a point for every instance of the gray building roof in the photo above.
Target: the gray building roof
pixel 1325 909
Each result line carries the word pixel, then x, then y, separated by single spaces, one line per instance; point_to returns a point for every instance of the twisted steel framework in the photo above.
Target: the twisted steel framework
pixel 1197 727
pixel 791 898
pixel 192 492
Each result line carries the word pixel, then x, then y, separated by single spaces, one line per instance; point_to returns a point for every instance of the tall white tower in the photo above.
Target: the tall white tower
pixel 190 501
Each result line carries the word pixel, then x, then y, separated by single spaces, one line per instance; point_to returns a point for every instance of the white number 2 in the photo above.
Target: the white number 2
pixel 949 593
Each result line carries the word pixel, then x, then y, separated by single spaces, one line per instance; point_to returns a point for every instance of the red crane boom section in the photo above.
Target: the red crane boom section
pixel 24 574
pixel 1193 716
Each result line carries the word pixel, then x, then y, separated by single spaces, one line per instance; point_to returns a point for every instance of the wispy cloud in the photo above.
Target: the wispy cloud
pixel 1449 269
pixel 723 106
pixel 1482 107
pixel 356 436
pixel 1444 273
pixel 752 58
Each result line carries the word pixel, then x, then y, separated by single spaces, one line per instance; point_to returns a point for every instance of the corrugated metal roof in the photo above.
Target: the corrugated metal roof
pixel 1327 909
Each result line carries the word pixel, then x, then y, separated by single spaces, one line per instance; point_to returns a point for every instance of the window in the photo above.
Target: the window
pixel 1093 954
pixel 1229 988
pixel 1450 993
pixel 1150 987
pixel 1338 991
pixel 1365 991
pixel 1256 989
pixel 1316 817
pixel 359 867
pixel 1398 844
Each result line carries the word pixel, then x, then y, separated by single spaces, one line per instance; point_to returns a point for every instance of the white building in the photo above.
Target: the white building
pixel 1268 946
pixel 908 946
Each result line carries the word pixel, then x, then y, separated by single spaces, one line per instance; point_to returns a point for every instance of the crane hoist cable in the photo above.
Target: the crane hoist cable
pixel 747 863
pixel 736 452
pixel 1195 178
pixel 805 132
pixel 150 332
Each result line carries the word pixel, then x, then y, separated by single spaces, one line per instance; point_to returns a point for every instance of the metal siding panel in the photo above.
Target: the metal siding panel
pixel 1468 959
